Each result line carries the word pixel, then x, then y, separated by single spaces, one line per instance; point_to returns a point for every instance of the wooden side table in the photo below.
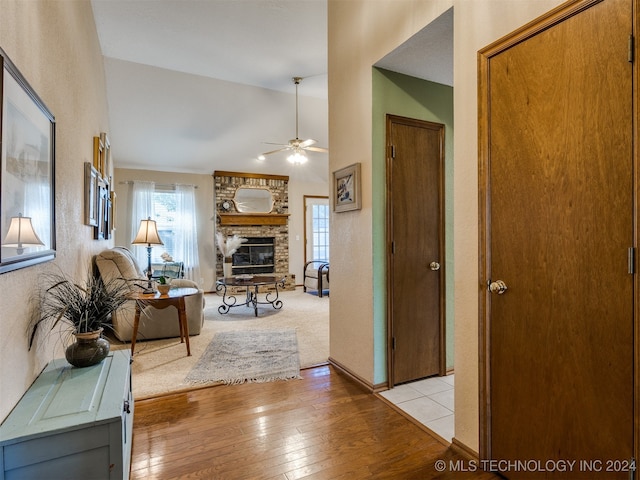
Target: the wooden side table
pixel 175 298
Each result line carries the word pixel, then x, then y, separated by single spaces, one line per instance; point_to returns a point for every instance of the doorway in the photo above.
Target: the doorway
pixel 415 235
pixel 557 241
pixel 316 228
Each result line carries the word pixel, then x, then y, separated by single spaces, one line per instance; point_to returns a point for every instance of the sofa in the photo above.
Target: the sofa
pixel 119 263
pixel 316 276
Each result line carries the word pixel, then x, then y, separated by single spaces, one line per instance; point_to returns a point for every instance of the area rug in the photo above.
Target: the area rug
pixel 161 366
pixel 248 356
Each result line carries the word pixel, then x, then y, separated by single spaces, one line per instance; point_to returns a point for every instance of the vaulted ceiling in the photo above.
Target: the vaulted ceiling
pixel 201 85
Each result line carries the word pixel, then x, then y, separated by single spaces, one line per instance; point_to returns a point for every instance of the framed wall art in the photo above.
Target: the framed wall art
pixel 27 208
pixel 346 189
pixel 90 195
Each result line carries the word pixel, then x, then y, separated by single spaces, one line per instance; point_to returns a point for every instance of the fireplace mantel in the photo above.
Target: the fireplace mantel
pixel 253 218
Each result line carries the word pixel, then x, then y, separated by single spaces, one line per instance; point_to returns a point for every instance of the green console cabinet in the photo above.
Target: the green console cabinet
pixel 72 423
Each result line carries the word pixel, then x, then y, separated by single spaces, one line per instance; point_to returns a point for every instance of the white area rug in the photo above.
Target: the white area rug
pixel 248 356
pixel 161 366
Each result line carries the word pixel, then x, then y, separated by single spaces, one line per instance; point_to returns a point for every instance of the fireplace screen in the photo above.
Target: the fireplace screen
pixel 255 256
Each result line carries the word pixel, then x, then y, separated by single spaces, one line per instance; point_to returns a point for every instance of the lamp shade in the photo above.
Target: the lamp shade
pixel 147 234
pixel 21 234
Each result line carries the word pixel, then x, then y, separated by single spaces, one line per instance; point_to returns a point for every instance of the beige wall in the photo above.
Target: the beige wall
pixel 297 191
pixel 55 46
pixel 360 33
pixel 206 216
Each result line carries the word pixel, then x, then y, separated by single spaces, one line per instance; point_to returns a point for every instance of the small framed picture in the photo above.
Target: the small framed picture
pixel 90 195
pixel 346 189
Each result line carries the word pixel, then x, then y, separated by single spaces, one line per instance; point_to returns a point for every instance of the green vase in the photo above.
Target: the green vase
pixel 88 349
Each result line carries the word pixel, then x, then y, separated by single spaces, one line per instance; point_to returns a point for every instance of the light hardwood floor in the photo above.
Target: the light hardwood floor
pixel 321 427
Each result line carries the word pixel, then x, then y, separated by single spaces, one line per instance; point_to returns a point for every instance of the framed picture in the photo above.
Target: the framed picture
pixel 346 189
pixel 27 207
pixel 103 208
pixel 98 155
pixel 90 195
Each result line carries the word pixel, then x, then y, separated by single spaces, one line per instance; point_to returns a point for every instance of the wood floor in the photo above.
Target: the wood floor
pixel 321 427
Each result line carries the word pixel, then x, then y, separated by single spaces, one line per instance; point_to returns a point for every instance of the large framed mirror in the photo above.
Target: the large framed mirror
pixel 253 200
pixel 27 224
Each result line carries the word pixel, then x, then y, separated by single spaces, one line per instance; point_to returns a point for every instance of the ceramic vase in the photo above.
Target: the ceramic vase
pixel 227 268
pixel 88 349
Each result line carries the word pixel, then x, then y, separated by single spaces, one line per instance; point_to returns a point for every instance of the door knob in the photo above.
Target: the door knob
pixel 434 266
pixel 498 287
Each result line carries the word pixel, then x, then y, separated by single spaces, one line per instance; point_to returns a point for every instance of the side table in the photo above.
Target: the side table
pixel 175 298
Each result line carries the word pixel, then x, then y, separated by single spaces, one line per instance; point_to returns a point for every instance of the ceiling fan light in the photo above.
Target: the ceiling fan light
pixel 298 157
pixel 262 158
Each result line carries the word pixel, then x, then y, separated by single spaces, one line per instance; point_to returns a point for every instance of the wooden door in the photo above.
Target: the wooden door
pixel 416 255
pixel 557 224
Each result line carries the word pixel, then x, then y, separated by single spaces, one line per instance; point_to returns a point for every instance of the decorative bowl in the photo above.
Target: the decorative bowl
pixel 164 289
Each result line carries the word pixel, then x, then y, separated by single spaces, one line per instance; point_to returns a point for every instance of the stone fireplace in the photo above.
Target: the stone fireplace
pixel 262 228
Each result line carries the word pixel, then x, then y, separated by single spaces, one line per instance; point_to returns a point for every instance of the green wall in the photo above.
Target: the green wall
pixel 397 94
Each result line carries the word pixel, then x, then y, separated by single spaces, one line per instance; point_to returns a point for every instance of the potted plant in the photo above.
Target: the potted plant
pixel 228 246
pixel 85 308
pixel 163 286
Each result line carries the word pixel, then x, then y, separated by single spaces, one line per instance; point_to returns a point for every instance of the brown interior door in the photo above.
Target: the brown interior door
pixel 415 231
pixel 557 177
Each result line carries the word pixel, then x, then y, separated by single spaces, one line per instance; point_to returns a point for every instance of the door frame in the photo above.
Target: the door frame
pixel 304 220
pixel 389 253
pixel 557 15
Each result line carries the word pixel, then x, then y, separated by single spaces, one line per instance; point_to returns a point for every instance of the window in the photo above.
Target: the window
pixel 317 228
pixel 164 205
pixel 173 207
pixel 320 222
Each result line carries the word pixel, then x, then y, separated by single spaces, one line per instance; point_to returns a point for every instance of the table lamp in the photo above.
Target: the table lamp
pixel 148 235
pixel 21 234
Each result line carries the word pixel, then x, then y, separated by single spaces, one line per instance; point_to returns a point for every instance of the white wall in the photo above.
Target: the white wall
pixel 55 46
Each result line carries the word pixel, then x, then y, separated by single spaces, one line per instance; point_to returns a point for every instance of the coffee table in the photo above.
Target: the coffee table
pixel 175 298
pixel 251 284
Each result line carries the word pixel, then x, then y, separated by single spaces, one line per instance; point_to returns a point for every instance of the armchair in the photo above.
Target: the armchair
pixel 119 262
pixel 316 276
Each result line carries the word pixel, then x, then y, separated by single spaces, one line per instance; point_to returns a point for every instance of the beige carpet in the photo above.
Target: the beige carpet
pixel 161 366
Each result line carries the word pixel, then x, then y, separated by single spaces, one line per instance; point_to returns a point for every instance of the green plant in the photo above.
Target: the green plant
pixel 85 307
pixel 162 281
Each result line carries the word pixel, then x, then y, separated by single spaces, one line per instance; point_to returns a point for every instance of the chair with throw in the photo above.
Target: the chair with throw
pixel 119 262
pixel 316 276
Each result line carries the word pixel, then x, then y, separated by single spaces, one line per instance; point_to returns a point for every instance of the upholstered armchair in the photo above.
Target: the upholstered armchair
pixel 119 262
pixel 316 276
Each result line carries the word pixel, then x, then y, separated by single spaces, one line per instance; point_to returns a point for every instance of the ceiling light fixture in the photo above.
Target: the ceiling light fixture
pixel 297 146
pixel 298 157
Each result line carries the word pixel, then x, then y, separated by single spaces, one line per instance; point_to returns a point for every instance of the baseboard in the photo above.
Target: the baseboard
pixel 364 384
pixel 464 450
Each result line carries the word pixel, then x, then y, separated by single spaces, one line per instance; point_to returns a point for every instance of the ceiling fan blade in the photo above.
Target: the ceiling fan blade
pixel 276 151
pixel 307 143
pixel 317 149
pixel 273 143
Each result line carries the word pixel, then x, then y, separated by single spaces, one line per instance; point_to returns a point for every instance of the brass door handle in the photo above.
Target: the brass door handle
pixel 434 266
pixel 498 287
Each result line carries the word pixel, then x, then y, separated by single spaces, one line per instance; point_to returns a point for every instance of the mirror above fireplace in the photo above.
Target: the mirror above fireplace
pixel 253 200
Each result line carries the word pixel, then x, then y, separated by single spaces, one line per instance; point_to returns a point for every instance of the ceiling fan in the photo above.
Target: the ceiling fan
pixel 296 146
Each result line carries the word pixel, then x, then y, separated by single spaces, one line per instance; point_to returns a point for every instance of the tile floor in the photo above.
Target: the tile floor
pixel 429 401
